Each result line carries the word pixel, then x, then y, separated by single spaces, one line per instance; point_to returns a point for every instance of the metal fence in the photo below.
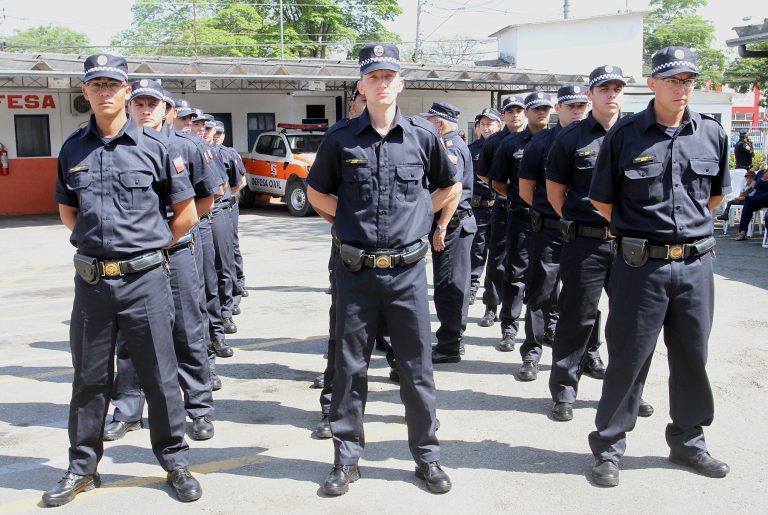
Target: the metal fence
pixel 758 135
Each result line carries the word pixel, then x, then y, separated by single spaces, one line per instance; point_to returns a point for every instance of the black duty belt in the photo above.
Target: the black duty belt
pixel 185 242
pixel 478 201
pixel 224 203
pixel 458 216
pixel 91 269
pixel 675 250
pixel 550 223
pixel 501 203
pixel 206 216
pixel 355 258
pixel 518 210
pixel 600 233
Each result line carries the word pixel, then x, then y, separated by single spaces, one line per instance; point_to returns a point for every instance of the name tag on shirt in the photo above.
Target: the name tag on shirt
pixel 81 168
pixel 643 159
pixel 355 161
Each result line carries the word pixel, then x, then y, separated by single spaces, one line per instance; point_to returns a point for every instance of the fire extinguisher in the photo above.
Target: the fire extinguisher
pixel 4 168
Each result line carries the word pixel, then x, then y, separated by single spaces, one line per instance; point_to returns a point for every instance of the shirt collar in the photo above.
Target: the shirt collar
pixel 364 122
pixel 690 117
pixel 130 130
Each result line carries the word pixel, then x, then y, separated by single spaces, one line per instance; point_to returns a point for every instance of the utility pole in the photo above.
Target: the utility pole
pixel 566 9
pixel 417 48
pixel 282 40
pixel 194 25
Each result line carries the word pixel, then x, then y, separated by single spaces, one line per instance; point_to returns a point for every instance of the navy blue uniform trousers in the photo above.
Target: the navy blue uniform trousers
pixel 382 338
pixel 140 306
pixel 518 232
pixel 585 270
pixel 365 298
pixel 479 253
pixel 497 256
pixel 221 227
pixel 210 279
pixel 450 275
pixel 541 289
pixel 190 345
pixel 234 215
pixel 677 296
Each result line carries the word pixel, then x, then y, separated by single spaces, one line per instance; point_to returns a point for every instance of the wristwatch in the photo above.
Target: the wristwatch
pixel 441 228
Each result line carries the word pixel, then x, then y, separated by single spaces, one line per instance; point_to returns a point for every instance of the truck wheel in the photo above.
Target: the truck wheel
pixel 296 198
pixel 247 198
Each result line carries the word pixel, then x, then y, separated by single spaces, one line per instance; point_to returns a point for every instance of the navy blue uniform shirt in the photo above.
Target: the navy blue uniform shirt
pixel 457 148
pixel 204 181
pixel 480 188
pixel 121 188
pixel 381 182
pixel 660 183
pixel 532 168
pixel 506 163
pixel 571 162
pixel 217 163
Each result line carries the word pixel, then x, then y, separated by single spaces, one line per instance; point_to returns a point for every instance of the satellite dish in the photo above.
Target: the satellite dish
pixel 80 104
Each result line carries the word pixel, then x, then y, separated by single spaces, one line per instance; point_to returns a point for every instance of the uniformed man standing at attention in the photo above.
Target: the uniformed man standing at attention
pixel 451 236
pixel 514 122
pixel 545 244
pixel 487 123
pixel 586 258
pixel 115 182
pixel 147 108
pixel 505 180
pixel 371 176
pixel 659 175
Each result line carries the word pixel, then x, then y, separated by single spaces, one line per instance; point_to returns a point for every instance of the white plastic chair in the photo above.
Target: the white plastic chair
pixel 734 216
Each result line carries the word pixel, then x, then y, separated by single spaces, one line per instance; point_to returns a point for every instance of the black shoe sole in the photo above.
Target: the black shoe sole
pixel 87 487
pixel 224 354
pixel 446 359
pixel 323 435
pixel 716 474
pixel 562 417
pixel 605 481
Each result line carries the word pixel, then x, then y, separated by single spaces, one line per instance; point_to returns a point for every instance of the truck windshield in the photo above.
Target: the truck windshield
pixel 304 143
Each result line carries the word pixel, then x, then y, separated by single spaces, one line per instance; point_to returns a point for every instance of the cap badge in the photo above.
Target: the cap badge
pixel 102 60
pixel 679 54
pixel 540 95
pixel 576 89
pixel 609 69
pixel 144 83
pixel 378 50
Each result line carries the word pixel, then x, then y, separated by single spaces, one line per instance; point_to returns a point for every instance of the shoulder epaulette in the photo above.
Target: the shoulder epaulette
pixel 710 117
pixel 76 132
pixel 157 136
pixel 344 122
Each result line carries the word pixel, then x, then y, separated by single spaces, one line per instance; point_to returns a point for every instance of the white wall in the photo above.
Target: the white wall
pixel 577 46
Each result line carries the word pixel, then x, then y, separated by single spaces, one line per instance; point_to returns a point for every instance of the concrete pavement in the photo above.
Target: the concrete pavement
pixel 500 446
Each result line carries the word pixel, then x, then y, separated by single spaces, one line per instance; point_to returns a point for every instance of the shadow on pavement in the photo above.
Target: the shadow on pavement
pixel 50 374
pixel 28 414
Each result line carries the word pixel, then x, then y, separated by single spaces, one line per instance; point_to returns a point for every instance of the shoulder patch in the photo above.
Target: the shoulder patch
pixel 179 164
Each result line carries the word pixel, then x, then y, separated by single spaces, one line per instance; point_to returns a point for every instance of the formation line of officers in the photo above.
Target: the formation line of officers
pixel 149 192
pixel 598 202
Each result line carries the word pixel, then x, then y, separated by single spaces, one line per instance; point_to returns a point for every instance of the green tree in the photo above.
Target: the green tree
pixel 311 28
pixel 746 72
pixel 676 23
pixel 47 39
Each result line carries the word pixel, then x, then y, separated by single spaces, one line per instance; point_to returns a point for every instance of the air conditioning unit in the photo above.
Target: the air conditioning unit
pixel 79 105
